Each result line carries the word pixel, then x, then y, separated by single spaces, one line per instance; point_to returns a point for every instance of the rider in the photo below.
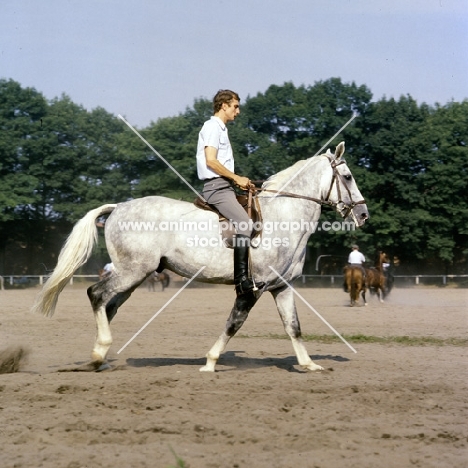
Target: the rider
pixel 215 167
pixel 356 259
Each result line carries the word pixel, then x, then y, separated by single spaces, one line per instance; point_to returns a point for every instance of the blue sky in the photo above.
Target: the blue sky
pixel 147 59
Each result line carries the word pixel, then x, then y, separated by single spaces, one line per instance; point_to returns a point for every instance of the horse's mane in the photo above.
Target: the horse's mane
pixel 277 180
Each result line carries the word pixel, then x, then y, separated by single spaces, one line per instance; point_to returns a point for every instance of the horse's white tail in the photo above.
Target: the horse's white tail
pixel 75 253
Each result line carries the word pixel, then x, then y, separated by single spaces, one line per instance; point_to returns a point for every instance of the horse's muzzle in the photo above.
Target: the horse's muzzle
pixel 360 214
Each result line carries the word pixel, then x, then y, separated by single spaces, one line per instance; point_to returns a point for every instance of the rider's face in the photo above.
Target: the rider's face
pixel 231 110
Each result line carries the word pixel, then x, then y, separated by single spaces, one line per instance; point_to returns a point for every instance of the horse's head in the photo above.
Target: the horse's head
pixel 383 257
pixel 342 192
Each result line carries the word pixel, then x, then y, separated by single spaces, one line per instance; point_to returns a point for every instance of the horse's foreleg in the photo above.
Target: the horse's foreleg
pixel 382 290
pixel 284 299
pixel 364 296
pixel 239 314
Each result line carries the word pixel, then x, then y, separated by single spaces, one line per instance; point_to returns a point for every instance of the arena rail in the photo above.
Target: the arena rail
pixel 23 279
pixel 416 277
pixel 19 280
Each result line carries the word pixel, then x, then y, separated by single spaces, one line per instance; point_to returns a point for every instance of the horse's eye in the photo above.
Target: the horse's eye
pixel 348 177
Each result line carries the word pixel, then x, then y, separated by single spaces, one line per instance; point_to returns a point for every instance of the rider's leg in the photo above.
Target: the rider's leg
pixel 221 194
pixel 242 279
pixel 363 272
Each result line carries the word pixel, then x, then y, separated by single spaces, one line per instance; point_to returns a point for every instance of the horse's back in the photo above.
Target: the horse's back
pixel 157 232
pixel 153 203
pixel 354 276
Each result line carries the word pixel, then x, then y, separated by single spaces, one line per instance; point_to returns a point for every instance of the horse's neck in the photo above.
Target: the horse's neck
pixel 305 178
pixel 284 208
pixel 378 266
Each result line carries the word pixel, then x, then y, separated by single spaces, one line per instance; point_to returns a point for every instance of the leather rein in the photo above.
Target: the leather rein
pixel 345 209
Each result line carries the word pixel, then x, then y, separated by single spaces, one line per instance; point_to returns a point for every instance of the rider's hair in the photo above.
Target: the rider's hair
pixel 223 96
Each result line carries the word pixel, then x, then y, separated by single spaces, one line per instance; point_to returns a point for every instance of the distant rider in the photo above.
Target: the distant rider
pixel 356 259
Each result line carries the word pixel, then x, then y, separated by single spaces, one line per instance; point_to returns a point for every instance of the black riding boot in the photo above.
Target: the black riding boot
pixel 243 282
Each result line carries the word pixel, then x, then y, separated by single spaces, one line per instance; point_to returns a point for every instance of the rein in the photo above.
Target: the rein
pixel 337 177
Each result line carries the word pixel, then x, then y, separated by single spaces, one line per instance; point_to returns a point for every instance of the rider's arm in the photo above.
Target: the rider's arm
pixel 213 163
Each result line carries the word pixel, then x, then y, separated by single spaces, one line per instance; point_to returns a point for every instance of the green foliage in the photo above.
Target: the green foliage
pixel 287 124
pixel 416 164
pixel 21 113
pixel 58 160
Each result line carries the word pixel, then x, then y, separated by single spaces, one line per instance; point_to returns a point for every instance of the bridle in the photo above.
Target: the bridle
pixel 343 208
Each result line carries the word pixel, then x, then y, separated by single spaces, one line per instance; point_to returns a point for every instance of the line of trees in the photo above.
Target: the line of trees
pixel 58 160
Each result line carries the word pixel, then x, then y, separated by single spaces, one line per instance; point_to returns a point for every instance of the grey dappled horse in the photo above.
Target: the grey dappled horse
pixel 321 180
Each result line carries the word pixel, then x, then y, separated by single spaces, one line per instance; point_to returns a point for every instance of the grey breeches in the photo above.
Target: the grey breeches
pixel 220 193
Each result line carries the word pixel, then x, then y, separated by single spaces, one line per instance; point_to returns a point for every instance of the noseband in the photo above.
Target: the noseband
pixel 340 206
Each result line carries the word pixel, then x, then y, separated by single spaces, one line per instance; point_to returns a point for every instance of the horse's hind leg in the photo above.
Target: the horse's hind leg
pixel 364 296
pixel 352 294
pixel 106 297
pixel 239 314
pixel 284 299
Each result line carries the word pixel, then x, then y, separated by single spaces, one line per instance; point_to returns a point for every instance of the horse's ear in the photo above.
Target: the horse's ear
pixel 340 149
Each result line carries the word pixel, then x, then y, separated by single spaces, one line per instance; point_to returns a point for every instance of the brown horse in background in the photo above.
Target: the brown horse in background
pixel 102 273
pixel 155 278
pixel 355 283
pixel 376 281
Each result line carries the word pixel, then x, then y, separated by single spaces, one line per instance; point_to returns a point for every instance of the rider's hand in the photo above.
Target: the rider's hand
pixel 243 182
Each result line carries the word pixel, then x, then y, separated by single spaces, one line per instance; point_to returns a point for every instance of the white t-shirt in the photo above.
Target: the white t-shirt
pixel 214 133
pixel 356 257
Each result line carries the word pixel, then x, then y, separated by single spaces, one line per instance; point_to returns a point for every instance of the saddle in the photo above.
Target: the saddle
pixel 227 230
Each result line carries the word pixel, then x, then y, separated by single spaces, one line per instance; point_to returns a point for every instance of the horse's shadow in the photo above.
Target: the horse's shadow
pixel 232 361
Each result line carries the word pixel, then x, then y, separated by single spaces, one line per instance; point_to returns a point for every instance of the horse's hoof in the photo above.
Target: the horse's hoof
pixel 314 367
pixel 210 364
pixel 103 367
pixel 365 304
